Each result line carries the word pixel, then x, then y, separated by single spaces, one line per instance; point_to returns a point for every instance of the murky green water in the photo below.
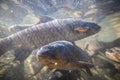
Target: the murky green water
pixel 110 27
pixel 23 12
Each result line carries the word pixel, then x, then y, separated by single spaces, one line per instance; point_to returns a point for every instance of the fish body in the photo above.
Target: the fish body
pixel 63 55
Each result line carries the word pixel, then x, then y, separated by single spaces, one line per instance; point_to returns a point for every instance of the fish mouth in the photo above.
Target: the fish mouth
pixel 93 31
pixel 97 30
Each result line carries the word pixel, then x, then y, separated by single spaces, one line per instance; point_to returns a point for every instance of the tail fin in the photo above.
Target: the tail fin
pixel 5 45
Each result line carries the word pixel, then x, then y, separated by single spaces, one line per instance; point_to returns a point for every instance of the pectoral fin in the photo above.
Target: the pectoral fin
pixel 83 64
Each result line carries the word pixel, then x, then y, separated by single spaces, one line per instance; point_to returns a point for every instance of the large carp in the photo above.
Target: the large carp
pixel 63 55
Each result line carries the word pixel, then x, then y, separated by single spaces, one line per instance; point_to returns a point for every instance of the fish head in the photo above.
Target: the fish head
pixel 46 55
pixel 51 55
pixel 83 29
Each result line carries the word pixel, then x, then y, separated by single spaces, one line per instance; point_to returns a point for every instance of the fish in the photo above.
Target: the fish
pixel 44 33
pixel 64 55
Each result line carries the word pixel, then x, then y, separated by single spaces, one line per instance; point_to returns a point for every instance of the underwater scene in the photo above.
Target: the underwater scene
pixel 59 39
